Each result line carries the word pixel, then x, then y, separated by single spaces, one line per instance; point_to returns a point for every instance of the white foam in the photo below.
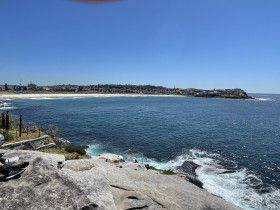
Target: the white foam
pixel 45 98
pixel 7 108
pixel 264 99
pixel 78 97
pixel 236 187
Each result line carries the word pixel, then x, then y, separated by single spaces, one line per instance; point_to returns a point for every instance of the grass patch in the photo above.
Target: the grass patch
pixel 67 155
pixel 165 172
pixel 15 136
pixel 7 135
pixel 73 148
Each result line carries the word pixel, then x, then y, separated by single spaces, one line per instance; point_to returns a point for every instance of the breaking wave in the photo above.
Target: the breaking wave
pixel 264 99
pixel 46 98
pixel 7 108
pixel 218 176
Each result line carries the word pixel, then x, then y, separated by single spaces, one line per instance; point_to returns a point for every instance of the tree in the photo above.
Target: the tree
pixel 6 87
pixel 32 86
pixel 53 131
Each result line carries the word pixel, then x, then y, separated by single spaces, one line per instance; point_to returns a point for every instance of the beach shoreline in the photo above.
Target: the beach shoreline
pixel 78 95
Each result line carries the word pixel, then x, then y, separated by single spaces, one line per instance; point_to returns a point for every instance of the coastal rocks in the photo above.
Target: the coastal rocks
pixel 136 189
pixel 78 185
pixel 41 186
pixel 61 141
pixel 91 181
pixel 47 146
pixel 219 93
pixel 98 184
pixel 111 158
pixel 133 200
pixel 188 168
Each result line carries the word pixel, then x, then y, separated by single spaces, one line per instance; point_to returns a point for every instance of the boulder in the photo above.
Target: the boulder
pixel 61 141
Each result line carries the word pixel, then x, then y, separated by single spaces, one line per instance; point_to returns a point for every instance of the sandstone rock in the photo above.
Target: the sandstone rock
pixel 97 184
pixel 61 141
pixel 44 186
pixel 111 157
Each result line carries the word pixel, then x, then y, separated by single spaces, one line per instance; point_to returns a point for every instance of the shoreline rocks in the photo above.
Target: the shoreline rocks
pixel 99 184
pixel 188 168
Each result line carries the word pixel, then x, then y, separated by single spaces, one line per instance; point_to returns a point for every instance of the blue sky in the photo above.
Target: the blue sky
pixel 184 43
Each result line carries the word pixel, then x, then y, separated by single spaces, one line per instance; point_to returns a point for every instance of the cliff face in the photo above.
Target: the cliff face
pixel 99 183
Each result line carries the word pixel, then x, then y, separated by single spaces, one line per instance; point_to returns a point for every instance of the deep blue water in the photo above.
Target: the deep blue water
pixel 235 142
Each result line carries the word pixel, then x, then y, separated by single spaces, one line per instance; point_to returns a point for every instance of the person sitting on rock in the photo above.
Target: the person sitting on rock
pixel 8 169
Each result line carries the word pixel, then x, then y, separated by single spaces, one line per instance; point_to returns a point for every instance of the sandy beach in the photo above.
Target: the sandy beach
pixel 71 95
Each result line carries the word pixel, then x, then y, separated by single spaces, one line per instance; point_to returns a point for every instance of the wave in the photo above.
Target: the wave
pixel 218 176
pixel 8 108
pixel 6 99
pixel 264 99
pixel 238 186
pixel 77 97
pixel 56 98
pixel 45 98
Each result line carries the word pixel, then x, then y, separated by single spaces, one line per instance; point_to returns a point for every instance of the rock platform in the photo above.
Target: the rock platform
pixel 99 183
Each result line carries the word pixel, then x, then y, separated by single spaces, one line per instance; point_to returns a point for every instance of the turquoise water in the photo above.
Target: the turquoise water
pixel 236 143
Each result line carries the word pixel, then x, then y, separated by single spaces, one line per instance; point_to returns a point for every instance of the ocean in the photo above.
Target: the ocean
pixel 231 147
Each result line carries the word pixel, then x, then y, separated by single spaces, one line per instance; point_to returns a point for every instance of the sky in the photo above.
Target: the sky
pixel 183 43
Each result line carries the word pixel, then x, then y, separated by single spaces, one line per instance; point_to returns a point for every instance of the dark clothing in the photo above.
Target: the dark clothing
pixel 2 160
pixel 5 169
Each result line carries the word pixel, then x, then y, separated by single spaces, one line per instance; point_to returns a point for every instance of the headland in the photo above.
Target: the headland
pixel 32 90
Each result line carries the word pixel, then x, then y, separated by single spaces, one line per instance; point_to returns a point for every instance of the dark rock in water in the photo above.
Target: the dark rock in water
pixel 228 172
pixel 196 182
pixel 188 168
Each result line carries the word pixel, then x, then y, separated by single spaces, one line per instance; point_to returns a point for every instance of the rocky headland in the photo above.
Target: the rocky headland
pixel 101 182
pixel 114 89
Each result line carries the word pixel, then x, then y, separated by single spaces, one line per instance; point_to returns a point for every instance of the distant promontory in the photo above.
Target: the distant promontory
pixel 126 89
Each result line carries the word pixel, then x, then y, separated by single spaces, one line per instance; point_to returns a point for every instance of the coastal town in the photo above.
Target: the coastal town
pixel 126 89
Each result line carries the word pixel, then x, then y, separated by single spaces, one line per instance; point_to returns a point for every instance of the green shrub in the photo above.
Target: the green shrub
pixel 7 135
pixel 165 172
pixel 73 148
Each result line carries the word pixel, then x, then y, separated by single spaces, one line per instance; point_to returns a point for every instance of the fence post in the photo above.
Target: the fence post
pixel 3 121
pixel 7 121
pixel 20 124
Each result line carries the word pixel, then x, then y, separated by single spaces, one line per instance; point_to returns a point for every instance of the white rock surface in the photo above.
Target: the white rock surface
pixel 97 183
